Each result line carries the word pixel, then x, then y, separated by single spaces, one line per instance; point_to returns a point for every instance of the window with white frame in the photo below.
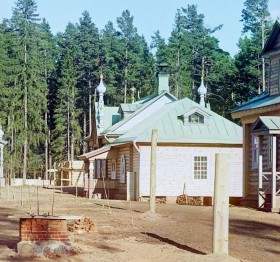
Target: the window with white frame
pixel 255 151
pixel 200 167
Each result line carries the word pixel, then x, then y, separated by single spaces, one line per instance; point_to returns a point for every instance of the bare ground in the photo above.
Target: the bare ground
pixel 126 231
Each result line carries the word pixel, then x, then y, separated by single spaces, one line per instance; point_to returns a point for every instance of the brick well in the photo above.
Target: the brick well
pixel 43 229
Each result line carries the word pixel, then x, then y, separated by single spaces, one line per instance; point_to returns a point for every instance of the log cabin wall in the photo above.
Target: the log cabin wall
pixel 274 76
pixel 252 172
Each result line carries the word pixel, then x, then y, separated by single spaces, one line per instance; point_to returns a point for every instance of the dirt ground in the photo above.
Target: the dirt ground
pixel 126 231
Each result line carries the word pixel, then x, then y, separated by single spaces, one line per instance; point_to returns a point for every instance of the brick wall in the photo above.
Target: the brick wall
pixel 174 170
pixel 38 229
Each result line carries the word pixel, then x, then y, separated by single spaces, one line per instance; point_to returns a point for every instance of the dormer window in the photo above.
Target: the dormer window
pixel 195 116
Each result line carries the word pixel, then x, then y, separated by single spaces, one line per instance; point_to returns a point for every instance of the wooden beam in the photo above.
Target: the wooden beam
pixel 273 175
pixel 221 204
pixel 153 171
pixel 260 195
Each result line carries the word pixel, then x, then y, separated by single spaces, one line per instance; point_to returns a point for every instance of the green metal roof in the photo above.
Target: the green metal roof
pixel 171 129
pixel 110 117
pixel 271 122
pixel 129 107
pixel 113 129
pixel 261 100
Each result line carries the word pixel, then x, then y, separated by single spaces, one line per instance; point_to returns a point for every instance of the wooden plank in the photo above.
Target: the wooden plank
pixel 273 186
pixel 260 195
pixel 153 171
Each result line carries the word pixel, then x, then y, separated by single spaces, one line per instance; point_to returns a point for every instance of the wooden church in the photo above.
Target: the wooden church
pixel 189 136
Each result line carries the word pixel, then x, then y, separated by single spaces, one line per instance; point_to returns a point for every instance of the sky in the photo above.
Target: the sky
pixel 149 15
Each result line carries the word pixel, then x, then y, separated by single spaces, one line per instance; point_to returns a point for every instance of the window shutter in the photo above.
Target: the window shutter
pixel 95 168
pixel 104 169
pixel 122 173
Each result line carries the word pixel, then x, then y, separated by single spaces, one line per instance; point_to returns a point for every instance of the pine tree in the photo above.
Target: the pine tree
pixel 256 20
pixel 48 56
pixel 67 133
pixel 110 62
pixel 87 63
pixel 28 116
pixel 136 57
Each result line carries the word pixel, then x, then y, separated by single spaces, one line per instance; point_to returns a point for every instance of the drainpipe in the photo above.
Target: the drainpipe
pixel 106 138
pixel 136 147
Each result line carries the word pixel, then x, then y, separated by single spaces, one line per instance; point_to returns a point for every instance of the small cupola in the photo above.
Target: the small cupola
pixel 202 91
pixel 101 89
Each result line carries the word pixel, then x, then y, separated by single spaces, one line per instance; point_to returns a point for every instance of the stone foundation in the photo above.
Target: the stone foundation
pixel 43 235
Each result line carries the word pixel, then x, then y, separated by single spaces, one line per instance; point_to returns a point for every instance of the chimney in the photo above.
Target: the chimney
pixel 163 78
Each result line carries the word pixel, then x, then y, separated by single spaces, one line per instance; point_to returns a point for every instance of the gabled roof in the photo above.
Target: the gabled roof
pixel 114 129
pixel 129 107
pixel 274 35
pixel 267 125
pixel 110 117
pixel 171 128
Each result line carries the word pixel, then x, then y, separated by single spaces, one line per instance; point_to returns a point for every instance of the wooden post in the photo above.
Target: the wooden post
pixel 273 174
pixel 21 197
pixel 38 207
pixel 221 205
pixel 261 199
pixel 153 171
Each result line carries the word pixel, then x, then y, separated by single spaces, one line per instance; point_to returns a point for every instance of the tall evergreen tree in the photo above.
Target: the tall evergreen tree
pixel 136 56
pixel 30 81
pixel 110 62
pixel 48 56
pixel 67 133
pixel 87 64
pixel 256 21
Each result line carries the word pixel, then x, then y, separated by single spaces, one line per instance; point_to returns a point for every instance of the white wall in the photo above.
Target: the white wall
pixel 175 168
pixel 30 182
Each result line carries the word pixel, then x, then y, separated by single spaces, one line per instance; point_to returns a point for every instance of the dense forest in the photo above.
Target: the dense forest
pixel 48 82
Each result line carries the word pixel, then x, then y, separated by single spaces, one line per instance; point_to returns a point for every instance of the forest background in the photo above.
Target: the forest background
pixel 48 82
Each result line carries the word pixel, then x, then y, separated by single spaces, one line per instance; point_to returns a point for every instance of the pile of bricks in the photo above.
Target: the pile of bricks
pixel 186 200
pixel 43 229
pixel 82 225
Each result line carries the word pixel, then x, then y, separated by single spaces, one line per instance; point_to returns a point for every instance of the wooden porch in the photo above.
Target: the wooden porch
pixel 269 184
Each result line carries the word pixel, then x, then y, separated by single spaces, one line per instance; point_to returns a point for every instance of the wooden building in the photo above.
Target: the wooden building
pixel 260 117
pixel 189 136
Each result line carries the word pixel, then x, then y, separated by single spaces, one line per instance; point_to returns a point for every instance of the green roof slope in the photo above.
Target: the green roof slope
pixel 113 129
pixel 271 122
pixel 261 100
pixel 171 128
